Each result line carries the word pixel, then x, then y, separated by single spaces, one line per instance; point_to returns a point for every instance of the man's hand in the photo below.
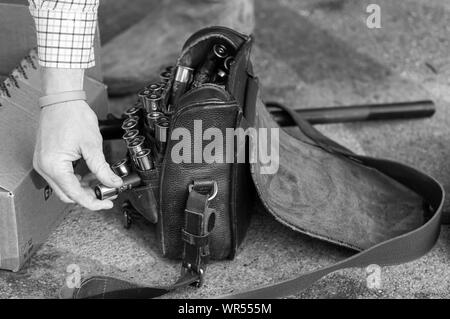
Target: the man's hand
pixel 68 131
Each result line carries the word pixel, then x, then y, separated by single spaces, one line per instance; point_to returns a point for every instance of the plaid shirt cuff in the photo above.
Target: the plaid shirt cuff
pixel 65 32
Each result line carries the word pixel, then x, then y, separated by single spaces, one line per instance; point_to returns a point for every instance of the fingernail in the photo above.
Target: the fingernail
pixel 109 205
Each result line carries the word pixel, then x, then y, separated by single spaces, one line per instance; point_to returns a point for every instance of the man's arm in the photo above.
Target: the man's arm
pixel 68 130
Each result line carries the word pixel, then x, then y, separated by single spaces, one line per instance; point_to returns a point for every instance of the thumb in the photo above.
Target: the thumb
pixel 97 164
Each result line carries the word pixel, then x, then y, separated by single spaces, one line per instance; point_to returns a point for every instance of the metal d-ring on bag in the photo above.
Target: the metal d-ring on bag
pixel 387 212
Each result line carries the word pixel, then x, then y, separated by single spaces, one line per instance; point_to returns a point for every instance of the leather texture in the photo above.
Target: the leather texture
pixel 176 177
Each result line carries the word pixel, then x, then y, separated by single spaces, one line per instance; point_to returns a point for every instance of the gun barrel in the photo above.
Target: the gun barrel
pixel 355 113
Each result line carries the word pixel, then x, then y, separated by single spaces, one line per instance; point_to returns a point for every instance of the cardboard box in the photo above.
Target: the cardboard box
pixel 29 211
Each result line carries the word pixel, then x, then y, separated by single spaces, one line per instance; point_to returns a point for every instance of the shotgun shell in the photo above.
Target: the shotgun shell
pixel 104 192
pixel 161 131
pixel 121 168
pixel 129 135
pixel 154 88
pixel 133 117
pixel 207 70
pixel 183 77
pixel 129 124
pixel 220 51
pixel 153 102
pixel 183 74
pixel 132 112
pixel 152 118
pixel 144 160
pixel 136 145
pixel 165 76
pixel 227 63
pixel 142 94
pixel 163 85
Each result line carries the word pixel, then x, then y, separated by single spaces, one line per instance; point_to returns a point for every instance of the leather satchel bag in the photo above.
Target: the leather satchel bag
pixel 387 212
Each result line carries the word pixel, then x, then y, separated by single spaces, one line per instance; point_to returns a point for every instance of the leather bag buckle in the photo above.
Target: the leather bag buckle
pixel 213 193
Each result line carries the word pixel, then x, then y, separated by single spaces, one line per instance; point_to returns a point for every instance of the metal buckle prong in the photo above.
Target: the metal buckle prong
pixel 214 192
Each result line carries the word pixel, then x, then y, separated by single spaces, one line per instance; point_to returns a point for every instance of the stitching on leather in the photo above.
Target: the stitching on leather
pixel 191 212
pixel 104 288
pixel 83 283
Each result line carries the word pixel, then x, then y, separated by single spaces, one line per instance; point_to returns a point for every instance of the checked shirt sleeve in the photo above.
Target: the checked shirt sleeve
pixel 65 32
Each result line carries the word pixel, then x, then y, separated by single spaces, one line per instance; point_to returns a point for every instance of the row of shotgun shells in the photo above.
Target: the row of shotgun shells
pixel 151 98
pixel 158 125
pixel 135 143
pixel 166 75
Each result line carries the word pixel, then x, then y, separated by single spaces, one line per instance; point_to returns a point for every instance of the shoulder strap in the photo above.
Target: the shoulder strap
pixel 397 250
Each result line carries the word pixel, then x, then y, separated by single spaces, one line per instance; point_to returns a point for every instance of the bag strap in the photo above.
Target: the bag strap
pixel 397 250
pixel 403 248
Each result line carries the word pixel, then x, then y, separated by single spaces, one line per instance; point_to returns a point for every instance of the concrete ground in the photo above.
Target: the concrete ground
pixel 309 53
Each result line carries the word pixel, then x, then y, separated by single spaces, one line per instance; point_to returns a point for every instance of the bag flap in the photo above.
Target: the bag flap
pixel 325 191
